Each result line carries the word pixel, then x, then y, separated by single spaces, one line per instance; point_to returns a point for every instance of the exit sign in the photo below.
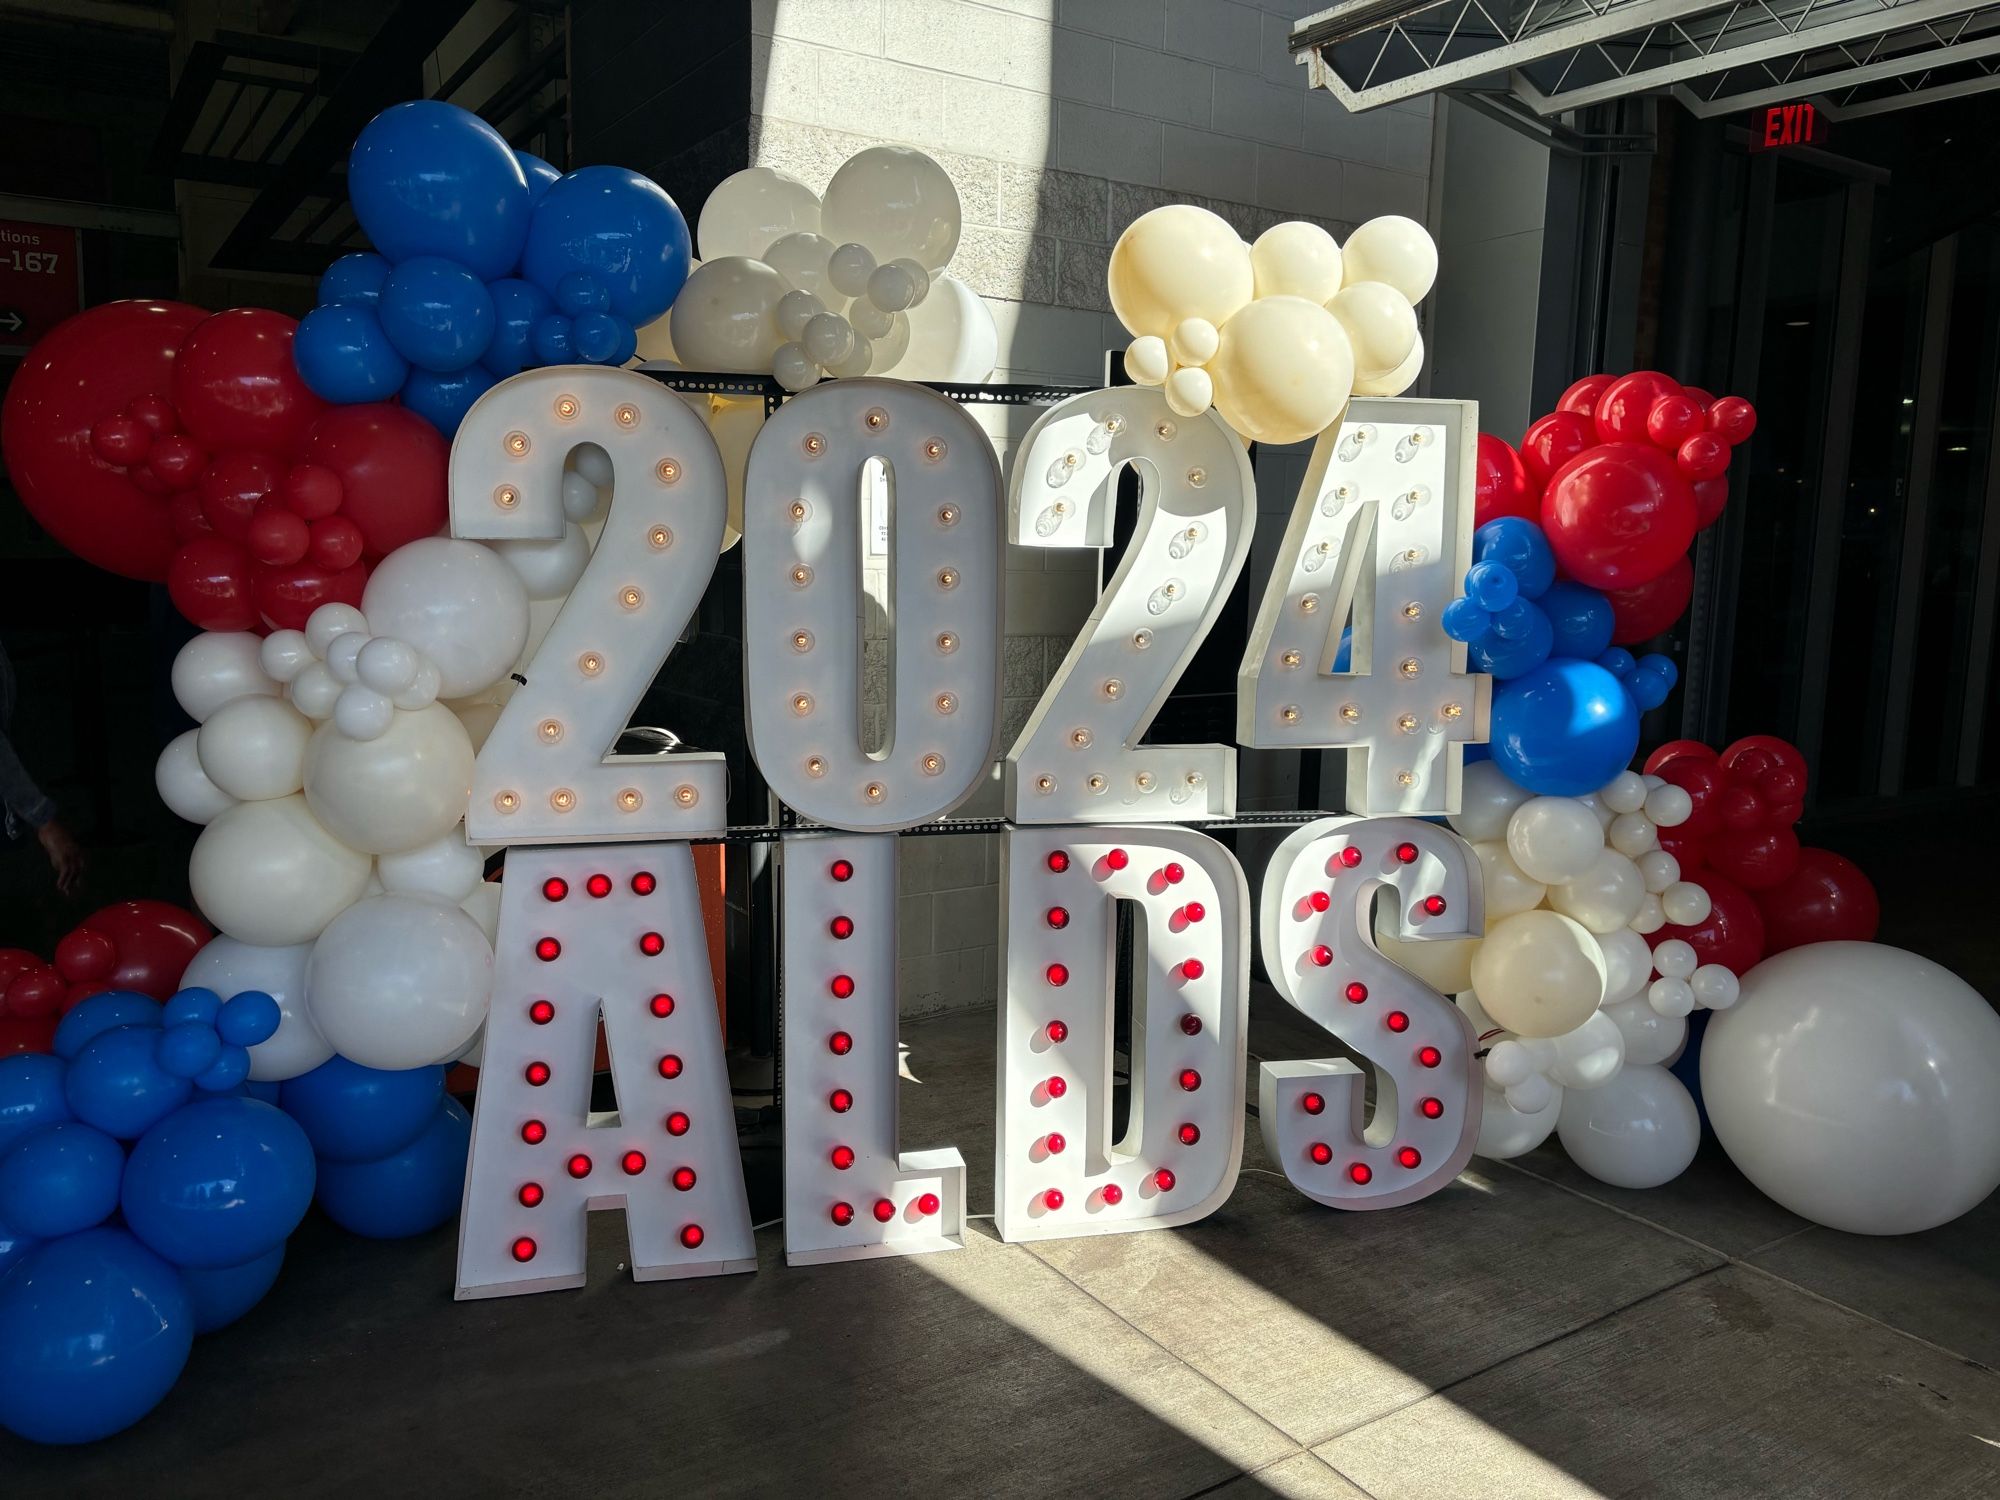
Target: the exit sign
pixel 1786 125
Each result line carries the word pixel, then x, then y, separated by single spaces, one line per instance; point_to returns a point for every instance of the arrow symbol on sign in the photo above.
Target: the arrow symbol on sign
pixel 12 321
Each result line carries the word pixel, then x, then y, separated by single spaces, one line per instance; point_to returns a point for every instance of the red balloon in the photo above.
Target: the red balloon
pixel 1674 750
pixel 336 542
pixel 84 955
pixel 1500 485
pixel 1624 406
pixel 392 467
pixel 1690 850
pixel 1733 419
pixel 1732 934
pixel 232 488
pixel 1673 420
pixel 1701 778
pixel 235 384
pixel 190 520
pixel 15 962
pixel 210 583
pixel 155 941
pixel 1751 759
pixel 177 461
pixel 37 992
pixel 122 440
pixel 1755 858
pixel 1703 456
pixel 1826 899
pixel 1581 397
pixel 1710 495
pixel 1618 515
pixel 1552 441
pixel 1698 396
pixel 287 596
pixel 18 1036
pixel 91 367
pixel 277 536
pixel 1639 614
pixel 311 491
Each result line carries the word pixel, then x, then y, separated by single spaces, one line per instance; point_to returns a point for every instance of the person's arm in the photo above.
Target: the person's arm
pixel 34 807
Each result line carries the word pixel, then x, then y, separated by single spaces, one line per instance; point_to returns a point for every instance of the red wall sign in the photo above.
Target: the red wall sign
pixel 40 281
pixel 1786 125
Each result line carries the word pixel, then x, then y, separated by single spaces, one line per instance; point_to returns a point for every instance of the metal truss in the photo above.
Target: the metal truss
pixel 1851 57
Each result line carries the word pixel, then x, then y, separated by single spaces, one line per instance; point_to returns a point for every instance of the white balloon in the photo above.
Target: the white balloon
pixel 1685 903
pixel 397 791
pixel 315 691
pixel 400 981
pixel 1632 834
pixel 795 310
pixel 952 336
pixel 362 713
pixel 1652 915
pixel 1639 1131
pixel 580 497
pixel 331 621
pixel 1628 964
pixel 892 288
pixel 184 786
pixel 1590 1056
pixel 548 569
pixel 1605 897
pixel 793 368
pixel 387 665
pixel 1624 793
pixel 1714 987
pixel 725 316
pixel 230 967
pixel 897 202
pixel 1195 341
pixel 861 357
pixel 1675 959
pixel 828 339
pixel 749 209
pixel 1487 801
pixel 1508 887
pixel 890 347
pixel 447 867
pixel 269 873
pixel 254 748
pixel 1190 392
pixel 1669 806
pixel 1507 1063
pixel 920 278
pixel 1671 997
pixel 217 666
pixel 422 691
pixel 1554 839
pixel 1445 964
pixel 801 261
pixel 457 603
pixel 1649 1036
pixel 284 654
pixel 1396 381
pixel 1380 324
pixel 1505 1131
pixel 483 906
pixel 1658 869
pixel 477 719
pixel 1531 1095
pixel 1859 1086
pixel 1538 974
pixel 343 655
pixel 849 268
pixel 1595 803
pixel 1147 360
pixel 870 321
pixel 1394 250
pixel 593 463
pixel 473 1053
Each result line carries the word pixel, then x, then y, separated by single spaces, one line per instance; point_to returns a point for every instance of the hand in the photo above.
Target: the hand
pixel 65 855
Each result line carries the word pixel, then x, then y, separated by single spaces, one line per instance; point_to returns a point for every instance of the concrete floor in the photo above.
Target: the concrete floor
pixel 1526 1332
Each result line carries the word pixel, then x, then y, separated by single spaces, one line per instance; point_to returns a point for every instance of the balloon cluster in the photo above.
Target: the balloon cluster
pixel 1276 335
pixel 142 1113
pixel 802 286
pixel 141 947
pixel 487 262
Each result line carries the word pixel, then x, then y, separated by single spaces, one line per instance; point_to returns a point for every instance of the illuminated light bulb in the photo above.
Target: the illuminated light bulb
pixel 1350 712
pixel 1057 1087
pixel 884 1210
pixel 947 703
pixel 1117 859
pixel 840 1044
pixel 1058 1031
pixel 946 644
pixel 523 1249
pixel 691 1237
pixel 842 869
pixel 841 927
pixel 534 1132
pixel 929 1204
pixel 537 1073
pixel 1194 911
pixel 1113 688
pixel 530 1195
pixel 1312 1104
pixel 590 664
pixel 578 1165
pixel 516 444
pixel 1165 432
pixel 1289 713
pixel 686 796
pixel 801 575
pixel 506 497
pixel 632 1163
pixel 1143 781
pixel 1195 778
pixel 562 799
pixel 1189 1080
pixel 1396 1021
pixel 1080 739
pixel 1192 968
pixel 627 416
pixel 652 944
pixel 1409 1156
pixel 1191 1024
pixel 1197 477
pixel 1053 1199
pixel 1413 610
pixel 677 1123
pixel 555 888
pixel 1308 604
pixel 542 1012
pixel 843 1214
pixel 1406 854
pixel 598 886
pixel 1096 783
pixel 1361 1173
pixel 875 419
pixel 815 445
pixel 1433 906
pixel 506 802
pixel 1058 860
pixel 548 950
pixel 1407 723
pixel 842 1157
pixel 1431 1109
pixel 947 515
pixel 802 704
pixel 1290 659
pixel 566 408
pixel 874 791
pixel 683 1178
pixel 1350 856
pixel 659 538
pixel 800 510
pixel 670 1066
pixel 1058 975
pixel 1320 1152
pixel 661 1005
pixel 1055 1143
pixel 1453 710
pixel 1319 900
pixel 947 578
pixel 1058 917
pixel 1113 1194
pixel 1409 666
pixel 1321 956
pixel 629 799
pixel 815 767
pixel 931 764
pixel 1189 1134
pixel 668 471
pixel 840 1101
pixel 1430 1057
pixel 550 731
pixel 630 598
pixel 1045 784
pixel 842 987
pixel 1164 1180
pixel 1141 639
pixel 934 449
pixel 1356 992
pixel 802 640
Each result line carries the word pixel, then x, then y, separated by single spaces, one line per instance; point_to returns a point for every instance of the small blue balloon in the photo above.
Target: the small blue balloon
pixel 429 178
pixel 617 226
pixel 218 1182
pixel 352 1113
pixel 14 1245
pixel 551 339
pixel 595 338
pixel 94 1331
pixel 200 1006
pixel 101 1012
pixel 230 1068
pixel 541 176
pixel 344 356
pixel 219 1295
pixel 31 1093
pixel 354 278
pixel 1509 655
pixel 628 344
pixel 1519 545
pixel 1464 620
pixel 437 314
pixel 443 400
pixel 1491 585
pixel 414 1190
pixel 188 1050
pixel 118 1085
pixel 517 307
pixel 249 1017
pixel 579 293
pixel 1519 620
pixel 1619 662
pixel 1564 728
pixel 1580 617
pixel 1651 681
pixel 59 1180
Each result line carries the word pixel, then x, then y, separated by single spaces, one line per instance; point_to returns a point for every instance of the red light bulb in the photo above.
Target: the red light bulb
pixel 1409 1156
pixel 1356 991
pixel 530 1194
pixel 1433 906
pixel 1321 955
pixel 548 950
pixel 1055 1143
pixel 1056 1087
pixel 843 869
pixel 643 884
pixel 840 1044
pixel 841 927
pixel 1361 1173
pixel 1319 901
pixel 842 1157
pixel 1406 854
pixel 598 886
pixel 1052 1199
pixel 1058 1031
pixel 691 1237
pixel 1117 859
pixel 1190 1080
pixel 1058 861
pixel 652 944
pixel 1194 911
pixel 677 1123
pixel 1192 968
pixel 633 1163
pixel 538 1073
pixel 884 1210
pixel 1189 1133
pixel 534 1132
pixel 1430 1057
pixel 842 987
pixel 579 1165
pixel 929 1204
pixel 555 888
pixel 1164 1180
pixel 1350 856
pixel 1431 1109
pixel 1058 918
pixel 843 1214
pixel 541 1012
pixel 1396 1021
pixel 1312 1104
pixel 1113 1194
pixel 524 1249
pixel 1174 873
pixel 683 1178
pixel 1191 1024
pixel 840 1101
pixel 1320 1152
pixel 670 1066
pixel 1058 974
pixel 663 1005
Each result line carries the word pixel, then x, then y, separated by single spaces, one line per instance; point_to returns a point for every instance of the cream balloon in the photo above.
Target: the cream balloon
pixel 1296 259
pixel 1445 964
pixel 1640 1130
pixel 1590 1056
pixel 1397 380
pixel 394 793
pixel 890 347
pixel 1282 371
pixel 1487 800
pixel 801 262
pixel 1189 392
pixel 1605 897
pixel 455 601
pixel 749 209
pixel 400 981
pixel 1508 887
pixel 253 748
pixel 1628 963
pixel 656 339
pixel 952 336
pixel 1147 360
pixel 483 906
pixel 1554 839
pixel 734 426
pixel 896 201
pixel 478 719
pixel 1194 341
pixel 184 786
pixel 1505 1131
pixel 218 666
pixel 447 866
pixel 725 316
pixel 1538 974
pixel 849 268
pixel 1395 251
pixel 795 310
pixel 547 570
pixel 1178 261
pixel 1649 1036
pixel 1380 323
pixel 828 339
pixel 270 873
pixel 793 368
pixel 229 966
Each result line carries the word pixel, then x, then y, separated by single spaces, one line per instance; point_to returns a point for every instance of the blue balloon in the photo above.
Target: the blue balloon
pixel 31 1093
pixel 101 1012
pixel 1506 656
pixel 595 338
pixel 14 1247
pixel 628 344
pixel 443 400
pixel 189 1049
pixel 248 1017
pixel 415 1190
pixel 230 1068
pixel 94 1331
pixel 1491 585
pixel 437 314
pixel 517 307
pixel 345 357
pixel 354 278
pixel 118 1085
pixel 220 1295
pixel 352 1113
pixel 579 293
pixel 550 339
pixel 541 176
pixel 1563 729
pixel 618 227
pixel 429 178
pixel 1519 545
pixel 60 1179
pixel 1581 618
pixel 195 1004
pixel 219 1182
pixel 1343 656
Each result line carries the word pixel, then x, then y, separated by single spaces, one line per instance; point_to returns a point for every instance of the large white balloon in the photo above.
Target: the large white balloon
pixel 1505 1131
pixel 1604 897
pixel 457 603
pixel 1640 1130
pixel 1554 839
pixel 269 873
pixel 1538 974
pixel 400 981
pixel 1859 1086
pixel 395 792
pixel 254 748
pixel 952 336
pixel 447 866
pixel 897 202
pixel 1508 887
pixel 1487 801
pixel 184 786
pixel 548 569
pixel 749 209
pixel 219 665
pixel 229 967
pixel 1649 1036
pixel 725 318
